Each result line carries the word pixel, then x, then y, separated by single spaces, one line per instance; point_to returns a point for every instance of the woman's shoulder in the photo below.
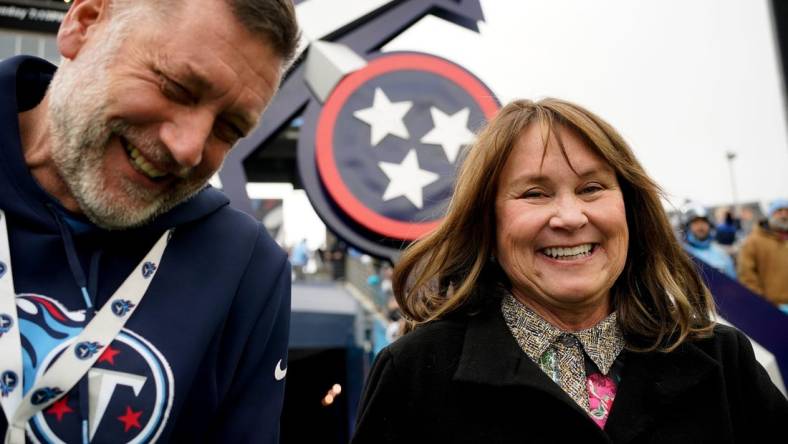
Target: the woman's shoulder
pixel 729 348
pixel 724 337
pixel 725 348
pixel 727 334
pixel 436 340
pixel 723 340
pixel 748 382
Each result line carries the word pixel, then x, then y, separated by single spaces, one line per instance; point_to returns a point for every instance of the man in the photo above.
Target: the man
pixel 135 304
pixel 726 231
pixel 763 258
pixel 698 241
pixel 299 258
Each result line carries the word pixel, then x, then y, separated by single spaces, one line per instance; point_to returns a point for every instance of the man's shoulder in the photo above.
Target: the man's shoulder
pixel 250 258
pixel 224 230
pixel 246 228
pixel 237 222
pixel 719 251
pixel 749 241
pixel 761 234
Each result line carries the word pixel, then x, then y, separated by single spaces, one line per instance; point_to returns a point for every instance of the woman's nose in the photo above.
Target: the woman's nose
pixel 569 215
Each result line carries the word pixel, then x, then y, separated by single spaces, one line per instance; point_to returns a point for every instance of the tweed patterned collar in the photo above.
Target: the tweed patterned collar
pixel 602 343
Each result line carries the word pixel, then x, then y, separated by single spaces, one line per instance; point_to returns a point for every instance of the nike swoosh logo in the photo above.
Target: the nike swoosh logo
pixel 279 372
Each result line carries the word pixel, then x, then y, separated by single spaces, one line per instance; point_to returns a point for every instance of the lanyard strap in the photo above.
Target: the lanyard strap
pixel 79 355
pixel 10 344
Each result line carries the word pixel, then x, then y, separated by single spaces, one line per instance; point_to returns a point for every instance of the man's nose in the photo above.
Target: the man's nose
pixel 186 136
pixel 569 214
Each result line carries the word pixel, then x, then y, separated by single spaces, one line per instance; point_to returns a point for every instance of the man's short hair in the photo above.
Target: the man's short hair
pixel 274 20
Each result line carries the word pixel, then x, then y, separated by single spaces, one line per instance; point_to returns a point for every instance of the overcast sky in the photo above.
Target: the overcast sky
pixel 684 81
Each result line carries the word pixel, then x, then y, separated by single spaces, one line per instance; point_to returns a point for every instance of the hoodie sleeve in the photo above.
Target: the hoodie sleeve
pixel 253 405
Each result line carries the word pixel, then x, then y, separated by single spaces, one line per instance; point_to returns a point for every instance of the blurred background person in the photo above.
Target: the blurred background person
pixel 763 258
pixel 555 285
pixel 299 257
pixel 337 253
pixel 726 232
pixel 699 240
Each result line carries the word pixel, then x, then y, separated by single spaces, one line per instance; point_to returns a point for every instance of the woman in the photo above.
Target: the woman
pixel 554 304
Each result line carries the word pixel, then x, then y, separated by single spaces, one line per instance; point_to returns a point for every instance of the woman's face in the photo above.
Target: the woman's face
pixel 561 230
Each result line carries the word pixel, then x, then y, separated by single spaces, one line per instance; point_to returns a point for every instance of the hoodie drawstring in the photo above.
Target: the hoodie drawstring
pixel 87 291
pixel 73 261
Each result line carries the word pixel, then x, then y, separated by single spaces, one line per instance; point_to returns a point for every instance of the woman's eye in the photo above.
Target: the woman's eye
pixel 591 189
pixel 533 194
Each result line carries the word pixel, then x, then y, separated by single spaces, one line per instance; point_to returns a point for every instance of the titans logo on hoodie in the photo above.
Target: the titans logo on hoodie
pixel 129 387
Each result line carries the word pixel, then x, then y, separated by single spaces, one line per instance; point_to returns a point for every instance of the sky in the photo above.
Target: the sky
pixel 683 81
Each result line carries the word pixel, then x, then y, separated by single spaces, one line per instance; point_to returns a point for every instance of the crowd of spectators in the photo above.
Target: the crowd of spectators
pixel 755 254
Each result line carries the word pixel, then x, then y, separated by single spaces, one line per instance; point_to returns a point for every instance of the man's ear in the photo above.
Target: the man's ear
pixel 79 24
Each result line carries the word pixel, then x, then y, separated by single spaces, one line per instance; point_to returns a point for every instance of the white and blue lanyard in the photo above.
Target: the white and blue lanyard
pixel 81 352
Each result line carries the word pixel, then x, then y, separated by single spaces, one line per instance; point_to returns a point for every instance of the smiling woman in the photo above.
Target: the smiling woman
pixel 553 175
pixel 555 284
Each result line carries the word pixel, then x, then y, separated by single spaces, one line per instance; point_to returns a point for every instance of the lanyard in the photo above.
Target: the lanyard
pixel 80 354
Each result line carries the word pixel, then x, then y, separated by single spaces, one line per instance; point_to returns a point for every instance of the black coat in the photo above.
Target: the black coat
pixel 467 381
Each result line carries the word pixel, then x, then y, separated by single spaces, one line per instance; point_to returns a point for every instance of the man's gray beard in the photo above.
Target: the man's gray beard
pixel 80 135
pixel 778 223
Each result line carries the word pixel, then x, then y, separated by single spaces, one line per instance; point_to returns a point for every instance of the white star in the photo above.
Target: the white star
pixel 407 179
pixel 450 132
pixel 384 117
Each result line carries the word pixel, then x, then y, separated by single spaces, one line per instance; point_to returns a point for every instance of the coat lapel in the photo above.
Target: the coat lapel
pixel 491 355
pixel 650 383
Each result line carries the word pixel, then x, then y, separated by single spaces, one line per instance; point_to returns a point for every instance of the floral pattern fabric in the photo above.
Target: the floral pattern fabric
pixel 601 392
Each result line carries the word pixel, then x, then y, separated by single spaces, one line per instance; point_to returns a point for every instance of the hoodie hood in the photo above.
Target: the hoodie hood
pixel 23 83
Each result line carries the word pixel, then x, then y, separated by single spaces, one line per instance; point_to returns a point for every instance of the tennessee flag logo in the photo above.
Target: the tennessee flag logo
pixel 389 139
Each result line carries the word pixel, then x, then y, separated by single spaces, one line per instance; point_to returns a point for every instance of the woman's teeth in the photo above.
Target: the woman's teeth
pixel 143 165
pixel 569 252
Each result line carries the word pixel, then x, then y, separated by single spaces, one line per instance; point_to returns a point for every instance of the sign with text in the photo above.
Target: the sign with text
pixel 33 16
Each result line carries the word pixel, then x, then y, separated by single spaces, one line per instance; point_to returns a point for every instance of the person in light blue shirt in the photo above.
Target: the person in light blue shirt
pixel 299 258
pixel 698 241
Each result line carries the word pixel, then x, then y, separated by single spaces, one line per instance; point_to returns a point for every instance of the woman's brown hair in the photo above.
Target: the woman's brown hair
pixel 659 297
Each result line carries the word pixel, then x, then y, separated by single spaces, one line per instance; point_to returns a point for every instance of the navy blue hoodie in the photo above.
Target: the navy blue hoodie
pixel 203 357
